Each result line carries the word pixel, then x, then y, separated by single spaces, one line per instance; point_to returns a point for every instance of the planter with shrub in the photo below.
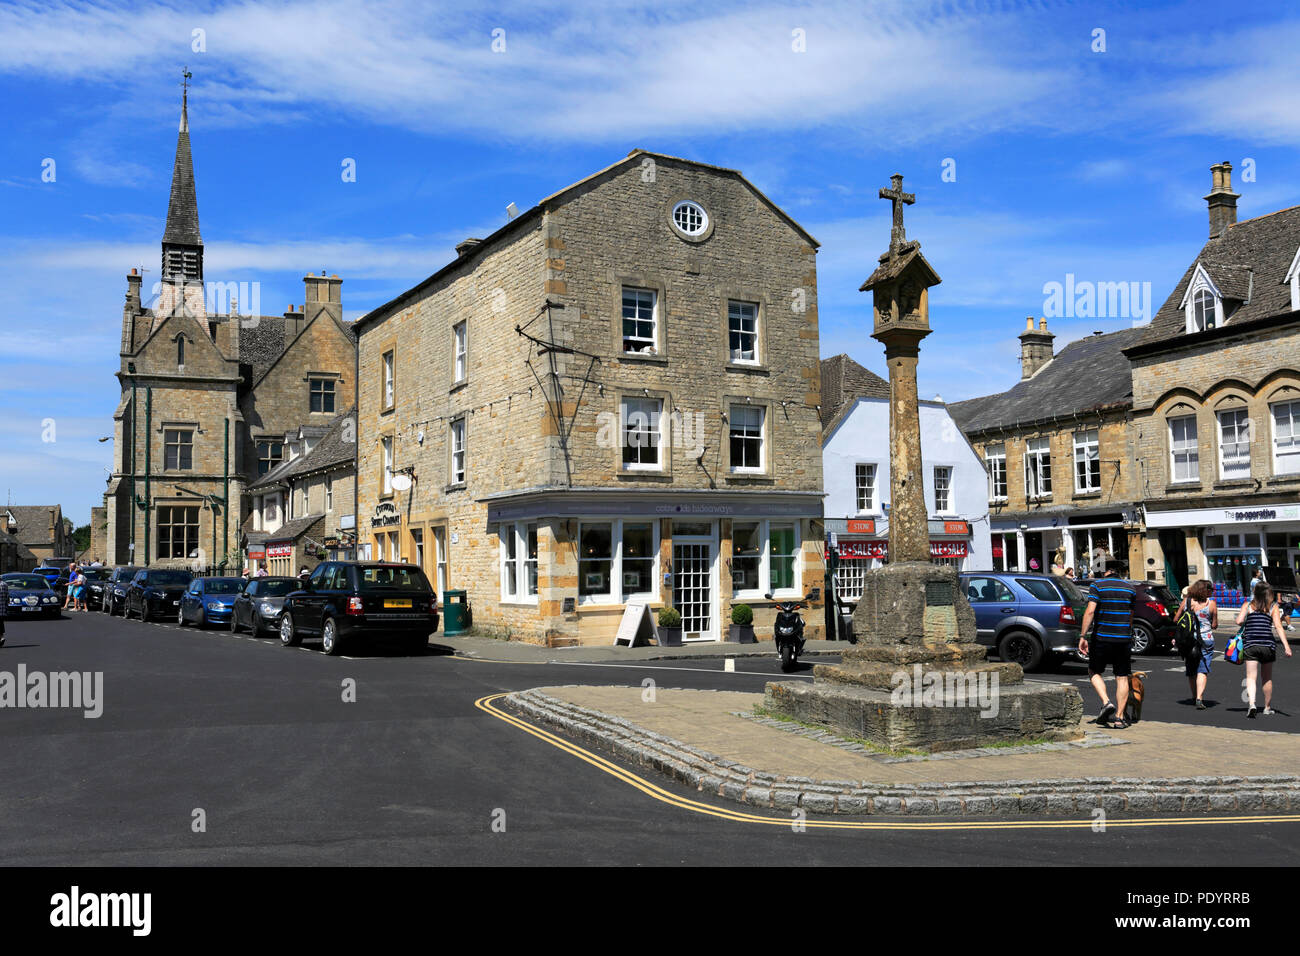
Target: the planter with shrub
pixel 669 630
pixel 742 625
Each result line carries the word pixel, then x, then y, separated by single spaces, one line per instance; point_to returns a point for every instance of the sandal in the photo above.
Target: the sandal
pixel 1120 724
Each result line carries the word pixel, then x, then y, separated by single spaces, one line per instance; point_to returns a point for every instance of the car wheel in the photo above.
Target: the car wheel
pixel 180 616
pixel 1143 639
pixel 419 644
pixel 234 628
pixel 1021 647
pixel 288 633
pixel 329 638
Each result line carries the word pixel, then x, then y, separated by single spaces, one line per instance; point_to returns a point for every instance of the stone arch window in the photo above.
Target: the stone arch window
pixel 1184 446
pixel 1235 433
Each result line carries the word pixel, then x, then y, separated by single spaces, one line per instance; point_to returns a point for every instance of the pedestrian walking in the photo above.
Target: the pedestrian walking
pixel 1261 623
pixel 79 593
pixel 4 608
pixel 1198 602
pixel 1110 607
pixel 67 594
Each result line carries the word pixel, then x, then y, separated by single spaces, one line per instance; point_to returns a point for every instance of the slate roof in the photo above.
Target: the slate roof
pixel 35 524
pixel 295 528
pixel 183 206
pixel 1248 262
pixel 844 380
pixel 329 452
pixel 892 265
pixel 1087 375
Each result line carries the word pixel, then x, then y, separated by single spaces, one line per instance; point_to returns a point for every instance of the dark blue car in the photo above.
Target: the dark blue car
pixel 209 601
pixel 30 595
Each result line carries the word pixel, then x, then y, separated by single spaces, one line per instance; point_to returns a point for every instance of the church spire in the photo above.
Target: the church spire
pixel 182 246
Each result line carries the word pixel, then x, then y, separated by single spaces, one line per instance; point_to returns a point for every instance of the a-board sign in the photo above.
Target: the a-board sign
pixel 635 627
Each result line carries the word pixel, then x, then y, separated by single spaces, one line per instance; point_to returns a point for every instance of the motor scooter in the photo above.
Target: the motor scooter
pixel 787 630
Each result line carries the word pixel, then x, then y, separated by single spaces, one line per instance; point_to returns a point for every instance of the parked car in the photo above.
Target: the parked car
pixel 208 601
pixel 1030 619
pixel 96 579
pixel 1282 580
pixel 30 595
pixel 114 598
pixel 155 593
pixel 347 602
pixel 258 606
pixel 1153 616
pixel 56 577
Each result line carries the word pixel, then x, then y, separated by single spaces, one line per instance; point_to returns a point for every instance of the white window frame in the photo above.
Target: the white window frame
pixel 329 493
pixel 1189 453
pixel 440 559
pixel 872 502
pixel 390 378
pixel 615 594
pixel 653 341
pixel 765 526
pixel 1240 417
pixel 628 406
pixel 736 313
pixel 456 442
pixel 1290 442
pixel 698 210
pixel 460 351
pixel 995 458
pixel 1201 282
pixel 946 508
pixel 1087 450
pixel 386 446
pixel 1038 450
pixel 761 467
pixel 514 570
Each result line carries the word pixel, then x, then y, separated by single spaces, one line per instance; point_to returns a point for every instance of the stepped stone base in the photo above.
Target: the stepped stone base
pixel 917 679
pixel 1019 713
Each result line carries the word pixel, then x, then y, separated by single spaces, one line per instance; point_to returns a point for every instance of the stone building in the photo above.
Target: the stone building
pixel 302 509
pixel 1216 404
pixel 207 395
pixel 39 531
pixel 856 473
pixel 611 399
pixel 1059 448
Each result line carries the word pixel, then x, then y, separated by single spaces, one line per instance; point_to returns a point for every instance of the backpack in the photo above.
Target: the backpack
pixel 1187 635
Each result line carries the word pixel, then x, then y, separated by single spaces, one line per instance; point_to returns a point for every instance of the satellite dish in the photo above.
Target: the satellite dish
pixel 401 482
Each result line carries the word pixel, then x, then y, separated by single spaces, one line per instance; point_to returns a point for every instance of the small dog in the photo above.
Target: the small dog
pixel 1137 689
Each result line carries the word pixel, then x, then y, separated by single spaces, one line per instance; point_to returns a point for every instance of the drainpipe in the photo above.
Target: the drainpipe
pixel 148 424
pixel 356 449
pixel 135 424
pixel 225 499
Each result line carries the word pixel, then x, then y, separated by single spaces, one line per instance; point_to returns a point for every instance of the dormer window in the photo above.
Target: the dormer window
pixel 1293 280
pixel 1203 303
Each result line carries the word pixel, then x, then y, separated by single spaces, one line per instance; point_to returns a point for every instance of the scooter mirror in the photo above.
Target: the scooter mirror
pixel 768 595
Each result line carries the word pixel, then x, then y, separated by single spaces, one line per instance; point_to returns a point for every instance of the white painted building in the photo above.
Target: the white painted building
pixel 856 478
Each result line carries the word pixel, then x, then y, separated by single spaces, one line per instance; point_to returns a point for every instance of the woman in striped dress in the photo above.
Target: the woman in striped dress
pixel 1198 601
pixel 1261 622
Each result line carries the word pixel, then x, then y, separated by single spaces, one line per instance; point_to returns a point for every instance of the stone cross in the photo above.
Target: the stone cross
pixel 897 236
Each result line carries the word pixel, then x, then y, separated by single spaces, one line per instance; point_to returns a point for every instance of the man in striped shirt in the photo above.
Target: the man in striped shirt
pixel 1110 606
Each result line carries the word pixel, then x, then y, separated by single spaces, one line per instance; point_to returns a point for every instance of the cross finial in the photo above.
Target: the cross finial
pixel 899 198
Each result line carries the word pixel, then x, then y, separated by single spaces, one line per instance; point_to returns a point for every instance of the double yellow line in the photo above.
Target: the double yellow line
pixel 488 705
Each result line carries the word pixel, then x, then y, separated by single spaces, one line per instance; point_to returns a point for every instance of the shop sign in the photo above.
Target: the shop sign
pixel 279 551
pixel 956 527
pixel 861 526
pixel 880 549
pixel 256 555
pixel 947 549
pixel 386 515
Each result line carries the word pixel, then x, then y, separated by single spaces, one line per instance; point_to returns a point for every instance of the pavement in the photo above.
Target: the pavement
pixel 488 648
pixel 710 740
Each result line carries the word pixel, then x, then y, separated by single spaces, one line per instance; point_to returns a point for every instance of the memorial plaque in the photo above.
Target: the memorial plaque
pixel 938 594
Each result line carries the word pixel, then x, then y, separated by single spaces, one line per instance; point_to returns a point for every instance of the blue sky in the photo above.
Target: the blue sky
pixel 1068 159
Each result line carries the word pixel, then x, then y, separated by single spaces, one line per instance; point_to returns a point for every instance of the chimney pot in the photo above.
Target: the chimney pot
pixel 1029 323
pixel 1042 325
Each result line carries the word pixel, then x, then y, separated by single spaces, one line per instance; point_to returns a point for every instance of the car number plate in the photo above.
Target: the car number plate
pixel 397 604
pixel 175 603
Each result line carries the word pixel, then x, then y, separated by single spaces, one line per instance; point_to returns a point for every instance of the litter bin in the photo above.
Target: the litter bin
pixel 455 612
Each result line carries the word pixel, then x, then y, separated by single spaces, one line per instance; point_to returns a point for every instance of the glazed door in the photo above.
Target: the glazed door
pixel 695 591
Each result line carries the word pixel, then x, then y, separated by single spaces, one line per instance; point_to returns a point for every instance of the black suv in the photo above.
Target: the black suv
pixel 156 593
pixel 346 601
pixel 114 597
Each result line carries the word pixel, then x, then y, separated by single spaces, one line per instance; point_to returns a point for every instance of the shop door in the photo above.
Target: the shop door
pixel 694 590
pixel 1175 550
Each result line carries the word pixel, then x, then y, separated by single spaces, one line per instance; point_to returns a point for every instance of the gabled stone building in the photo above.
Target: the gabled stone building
pixel 1216 404
pixel 207 395
pixel 612 399
pixel 39 532
pixel 1059 450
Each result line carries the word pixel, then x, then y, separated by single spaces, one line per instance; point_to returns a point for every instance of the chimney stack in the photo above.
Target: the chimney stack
pixel 1221 200
pixel 1035 347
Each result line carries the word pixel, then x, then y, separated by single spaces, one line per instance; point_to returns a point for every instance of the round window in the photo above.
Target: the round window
pixel 690 218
